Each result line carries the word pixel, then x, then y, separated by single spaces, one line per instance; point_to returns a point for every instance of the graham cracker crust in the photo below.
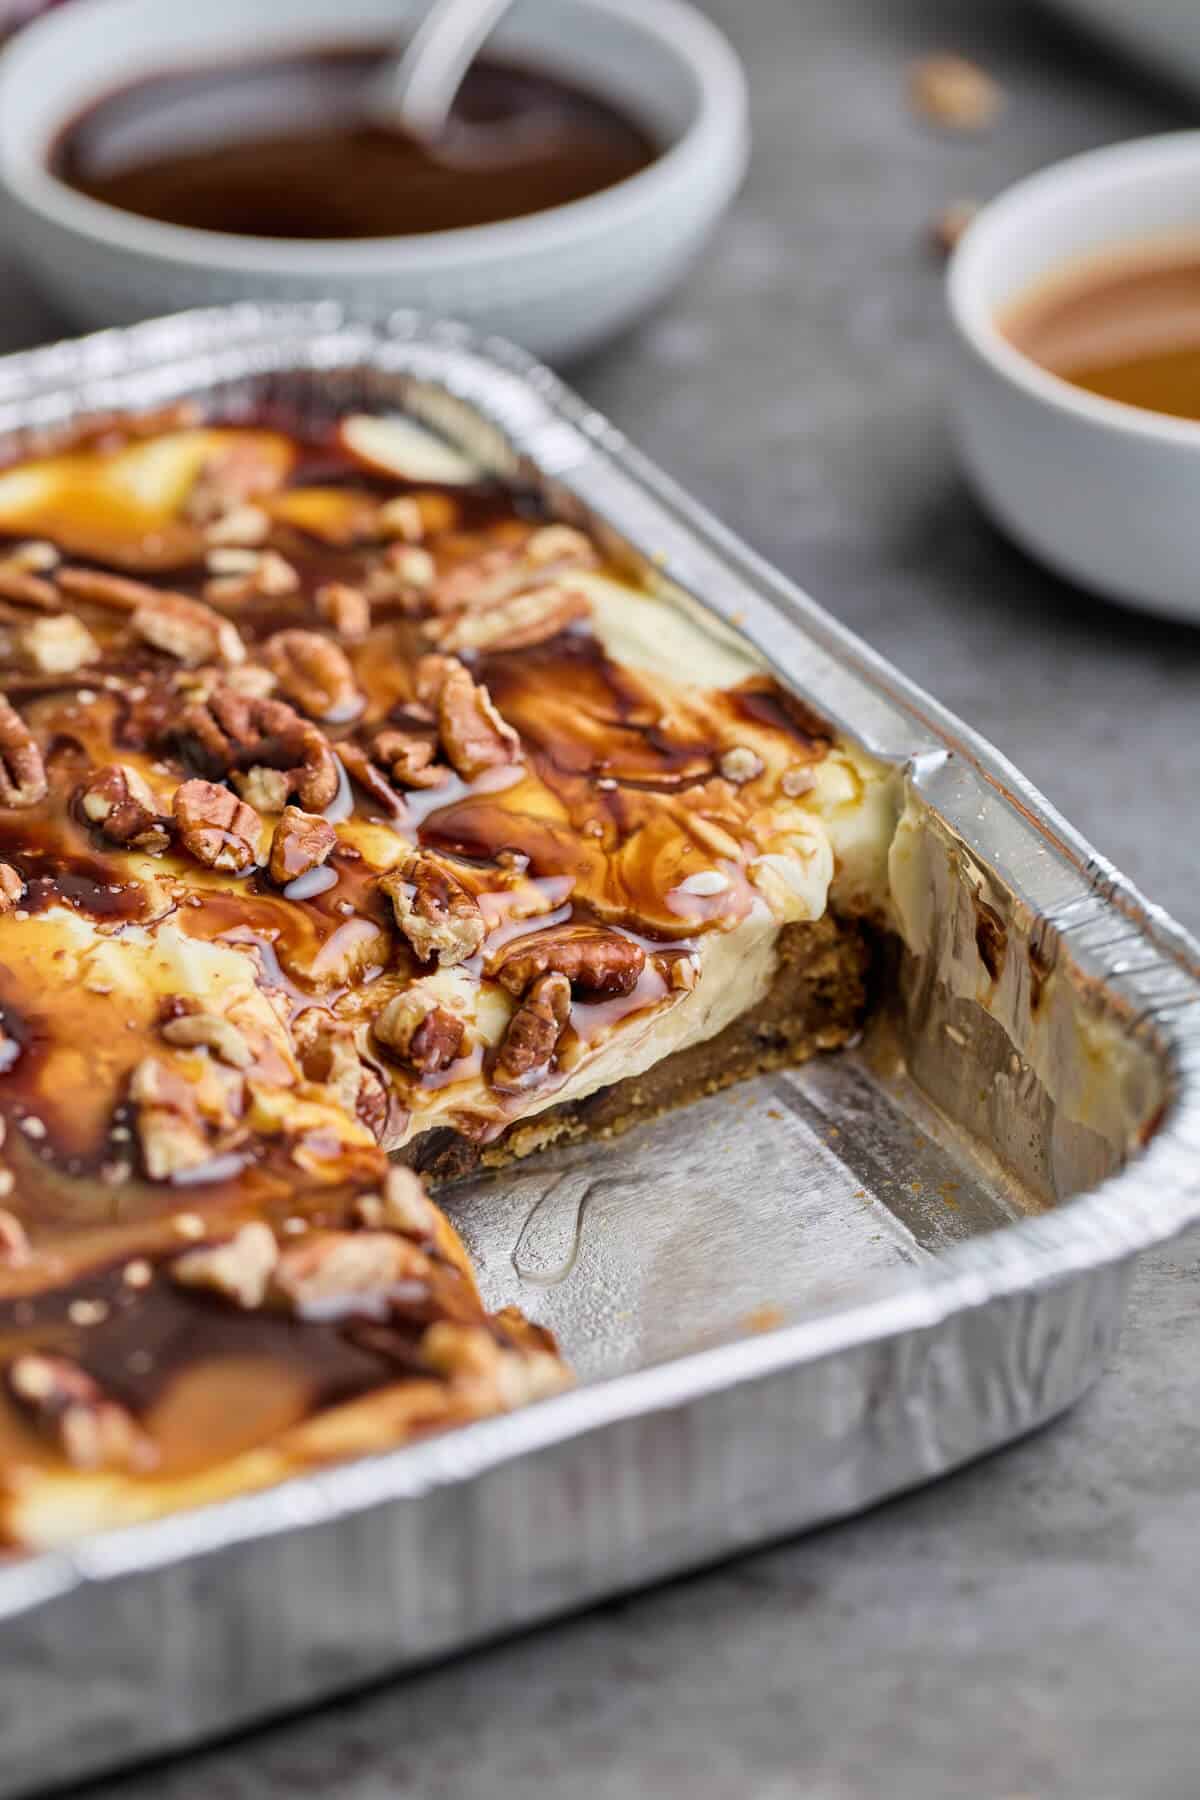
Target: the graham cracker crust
pixel 818 1001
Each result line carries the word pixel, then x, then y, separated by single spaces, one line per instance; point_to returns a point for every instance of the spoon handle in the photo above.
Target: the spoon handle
pixel 418 91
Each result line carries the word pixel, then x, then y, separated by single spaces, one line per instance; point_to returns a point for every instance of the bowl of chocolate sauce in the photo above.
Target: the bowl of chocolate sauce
pixel 160 157
pixel 1075 300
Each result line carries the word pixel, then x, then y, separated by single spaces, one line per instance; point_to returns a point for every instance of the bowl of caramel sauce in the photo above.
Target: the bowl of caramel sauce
pixel 163 157
pixel 1075 299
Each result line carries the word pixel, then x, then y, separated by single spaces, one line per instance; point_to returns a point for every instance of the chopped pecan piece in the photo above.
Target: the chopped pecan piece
pixel 240 575
pixel 266 790
pixel 416 1028
pixel 58 644
pixel 401 518
pixel 370 779
pixel 171 1131
pixel 533 1034
pixel 596 961
pixel 953 92
pixel 218 829
pixel 239 471
pixel 740 764
pixel 402 1206
pixel 561 545
pixel 232 730
pixel 241 525
pixel 346 609
pixel 35 556
pixel 118 801
pixel 22 771
pixel 71 1410
pixel 12 887
pixel 328 1054
pixel 474 736
pixel 434 910
pixel 411 759
pixel 302 841
pixel 209 1031
pixel 326 1268
pixel 239 1269
pixel 314 673
pixel 491 1375
pixel 529 618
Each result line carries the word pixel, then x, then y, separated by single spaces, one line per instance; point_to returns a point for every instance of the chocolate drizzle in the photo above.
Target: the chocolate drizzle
pixel 600 800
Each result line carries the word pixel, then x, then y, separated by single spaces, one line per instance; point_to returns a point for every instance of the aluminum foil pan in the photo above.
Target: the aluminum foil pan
pixel 795 1299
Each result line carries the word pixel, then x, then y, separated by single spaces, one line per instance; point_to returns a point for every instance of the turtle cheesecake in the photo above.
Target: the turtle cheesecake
pixel 359 826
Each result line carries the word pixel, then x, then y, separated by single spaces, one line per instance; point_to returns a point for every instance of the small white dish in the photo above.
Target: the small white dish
pixel 1106 494
pixel 557 282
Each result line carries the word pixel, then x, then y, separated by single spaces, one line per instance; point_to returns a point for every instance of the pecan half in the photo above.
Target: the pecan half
pixel 234 731
pixel 302 841
pixel 410 759
pixel 434 910
pixel 529 618
pixel 120 592
pixel 473 735
pixel 500 573
pixel 328 1267
pixel 421 1032
pixel 12 887
pixel 595 960
pixel 345 609
pixel 533 1034
pixel 22 771
pixel 239 1269
pixel 314 673
pixel 117 801
pixel 209 1031
pixel 218 829
pixel 67 1407
pixel 188 630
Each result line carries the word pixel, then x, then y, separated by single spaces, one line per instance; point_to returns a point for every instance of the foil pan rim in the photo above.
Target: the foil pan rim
pixel 1150 1200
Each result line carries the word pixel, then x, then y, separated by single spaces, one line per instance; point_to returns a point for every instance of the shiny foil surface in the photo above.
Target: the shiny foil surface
pixel 791 1300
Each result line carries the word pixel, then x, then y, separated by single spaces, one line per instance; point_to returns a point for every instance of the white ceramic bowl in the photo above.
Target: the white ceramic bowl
pixel 557 282
pixel 1106 494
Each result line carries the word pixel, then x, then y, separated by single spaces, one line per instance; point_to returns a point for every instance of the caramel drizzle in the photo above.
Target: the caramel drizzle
pixel 595 805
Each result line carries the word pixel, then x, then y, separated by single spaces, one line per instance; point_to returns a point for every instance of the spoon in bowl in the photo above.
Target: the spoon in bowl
pixel 416 93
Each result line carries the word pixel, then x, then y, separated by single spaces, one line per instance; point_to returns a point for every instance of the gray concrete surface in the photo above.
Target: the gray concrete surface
pixel 1029 1627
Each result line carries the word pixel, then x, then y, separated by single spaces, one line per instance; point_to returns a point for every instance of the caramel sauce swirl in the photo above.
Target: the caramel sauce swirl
pixel 261 619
